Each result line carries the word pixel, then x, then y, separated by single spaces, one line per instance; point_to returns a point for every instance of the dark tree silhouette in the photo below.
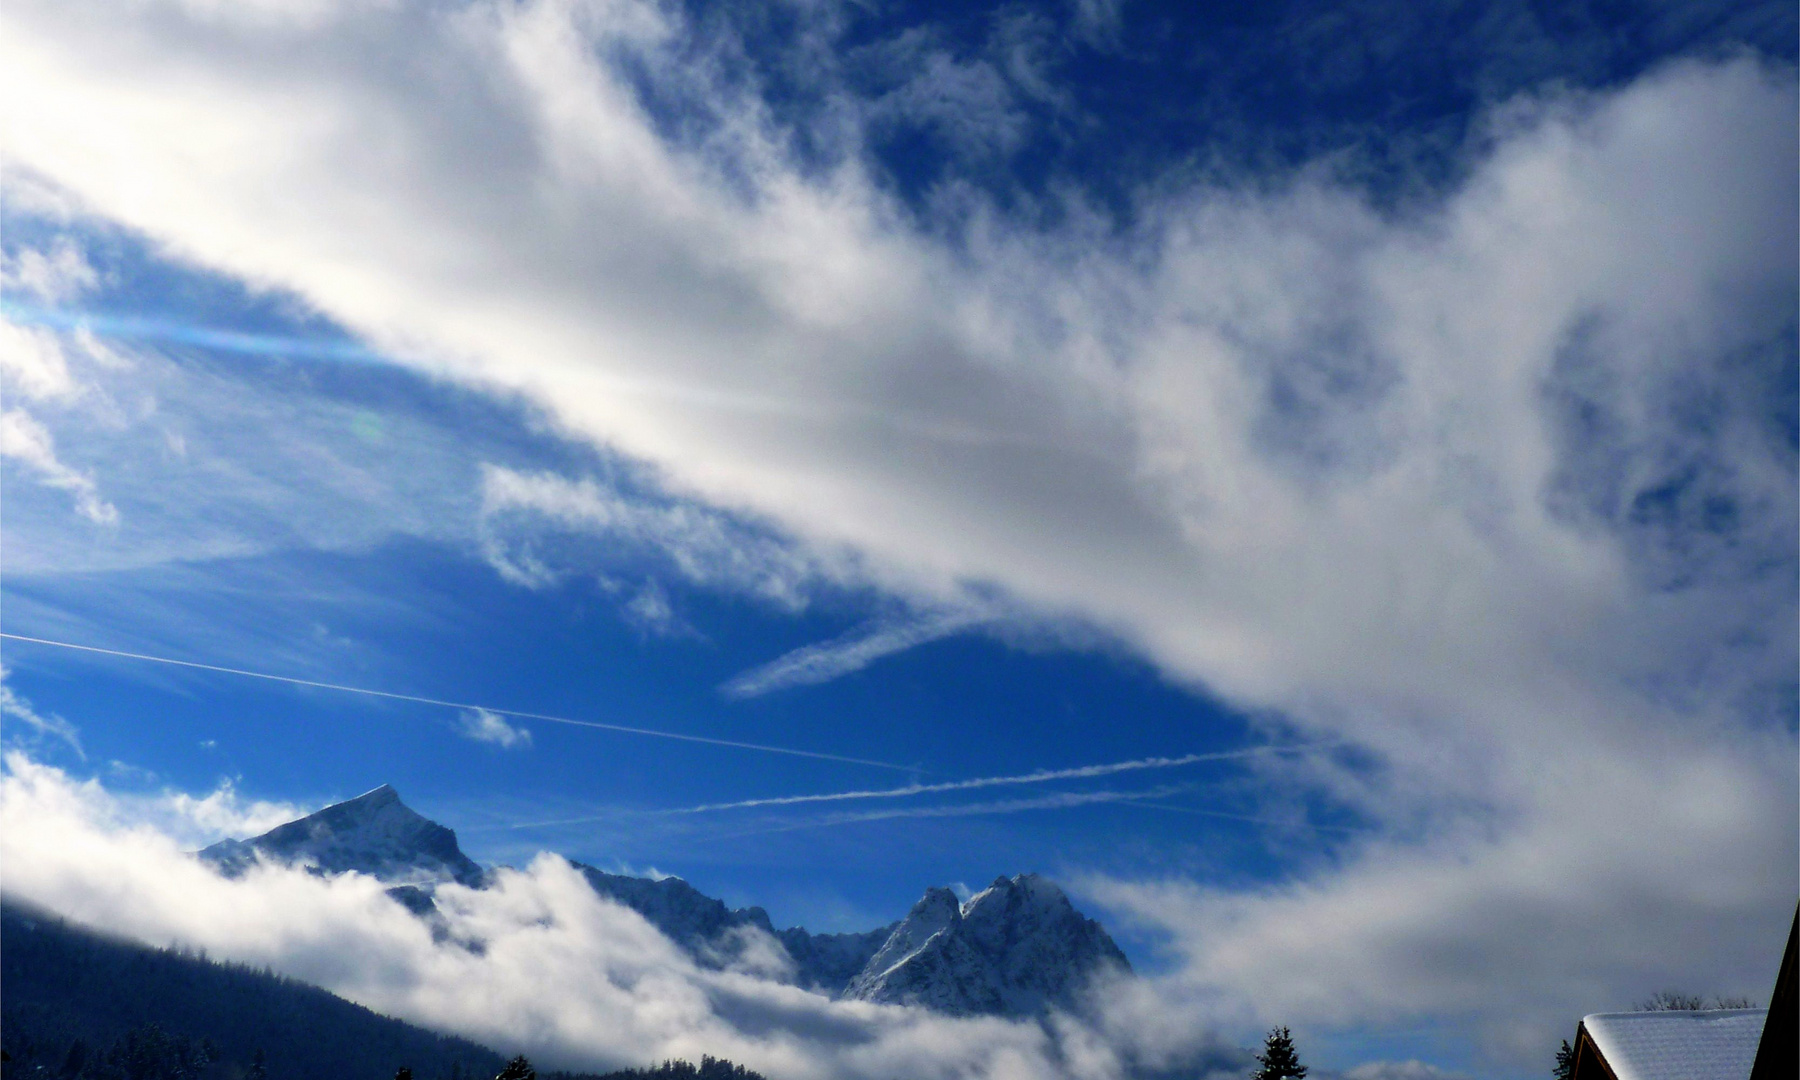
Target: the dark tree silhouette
pixel 404 1074
pixel 1279 1062
pixel 1565 1062
pixel 1666 1000
pixel 517 1069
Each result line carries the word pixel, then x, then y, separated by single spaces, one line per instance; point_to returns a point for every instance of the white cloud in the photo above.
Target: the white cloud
pixel 35 367
pixel 61 273
pixel 24 440
pixel 196 821
pixel 810 665
pixel 573 980
pixel 649 610
pixel 15 707
pixel 484 726
pixel 1486 486
pixel 704 546
pixel 33 363
pixel 1411 1069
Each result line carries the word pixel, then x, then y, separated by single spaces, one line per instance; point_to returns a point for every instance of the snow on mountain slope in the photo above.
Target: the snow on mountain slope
pixel 720 936
pixel 827 962
pixel 1014 949
pixel 374 833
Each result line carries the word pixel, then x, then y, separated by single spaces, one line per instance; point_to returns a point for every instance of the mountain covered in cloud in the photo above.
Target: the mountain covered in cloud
pixel 1014 949
pixel 719 935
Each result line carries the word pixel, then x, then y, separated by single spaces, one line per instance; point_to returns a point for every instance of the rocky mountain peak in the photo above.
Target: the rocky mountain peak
pixel 374 833
pixel 1016 948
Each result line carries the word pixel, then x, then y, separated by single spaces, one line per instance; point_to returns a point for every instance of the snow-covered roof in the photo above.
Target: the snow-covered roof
pixel 1705 1044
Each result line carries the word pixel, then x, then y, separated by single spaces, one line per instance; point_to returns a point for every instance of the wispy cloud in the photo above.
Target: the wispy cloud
pixel 61 272
pixel 35 367
pixel 1454 480
pixel 827 660
pixel 15 707
pixel 484 726
pixel 25 440
pixel 164 331
pixel 702 545
pixel 1411 1069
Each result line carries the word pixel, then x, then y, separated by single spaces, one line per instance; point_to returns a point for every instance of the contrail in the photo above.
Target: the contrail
pixel 1080 772
pixel 620 728
pixel 1057 801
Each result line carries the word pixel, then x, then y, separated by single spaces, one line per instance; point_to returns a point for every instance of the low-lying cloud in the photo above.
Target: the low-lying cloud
pixel 563 975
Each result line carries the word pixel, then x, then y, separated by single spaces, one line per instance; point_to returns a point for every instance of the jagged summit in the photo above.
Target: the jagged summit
pixel 1015 948
pixel 374 833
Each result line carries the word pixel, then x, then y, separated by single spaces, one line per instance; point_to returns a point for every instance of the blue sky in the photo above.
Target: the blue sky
pixel 1392 408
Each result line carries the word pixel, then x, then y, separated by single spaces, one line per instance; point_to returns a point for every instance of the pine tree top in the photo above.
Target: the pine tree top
pixel 1279 1062
pixel 517 1069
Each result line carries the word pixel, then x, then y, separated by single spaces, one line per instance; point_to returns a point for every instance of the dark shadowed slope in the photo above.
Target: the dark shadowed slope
pixel 80 1004
pixel 60 983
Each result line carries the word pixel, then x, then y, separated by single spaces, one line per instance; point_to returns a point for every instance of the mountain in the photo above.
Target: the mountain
pixel 1014 949
pixel 694 920
pixel 716 935
pixel 374 833
pixel 827 962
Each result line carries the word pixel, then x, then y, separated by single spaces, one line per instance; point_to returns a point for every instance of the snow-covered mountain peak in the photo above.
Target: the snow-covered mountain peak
pixel 1019 892
pixel 1015 948
pixel 376 799
pixel 374 833
pixel 935 910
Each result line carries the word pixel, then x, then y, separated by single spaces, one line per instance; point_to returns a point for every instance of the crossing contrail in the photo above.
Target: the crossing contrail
pixel 1079 772
pixel 517 714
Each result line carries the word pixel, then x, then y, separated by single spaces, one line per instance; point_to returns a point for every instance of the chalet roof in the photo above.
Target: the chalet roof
pixel 1704 1044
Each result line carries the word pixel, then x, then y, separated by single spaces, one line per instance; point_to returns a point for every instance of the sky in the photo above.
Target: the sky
pixel 1319 483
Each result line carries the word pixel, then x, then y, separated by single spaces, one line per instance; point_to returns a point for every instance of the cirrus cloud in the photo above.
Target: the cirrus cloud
pixel 1497 486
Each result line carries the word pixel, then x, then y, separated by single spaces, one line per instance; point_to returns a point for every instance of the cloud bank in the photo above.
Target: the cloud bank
pixel 1497 487
pixel 562 975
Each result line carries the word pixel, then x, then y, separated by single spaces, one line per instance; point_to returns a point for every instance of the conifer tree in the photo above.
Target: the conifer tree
pixel 1565 1062
pixel 517 1069
pixel 1279 1062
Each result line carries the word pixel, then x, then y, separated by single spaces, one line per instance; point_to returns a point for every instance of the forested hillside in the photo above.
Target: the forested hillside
pixel 77 1005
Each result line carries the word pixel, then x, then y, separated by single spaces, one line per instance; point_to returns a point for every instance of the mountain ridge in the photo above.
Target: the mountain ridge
pixel 374 833
pixel 1017 948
